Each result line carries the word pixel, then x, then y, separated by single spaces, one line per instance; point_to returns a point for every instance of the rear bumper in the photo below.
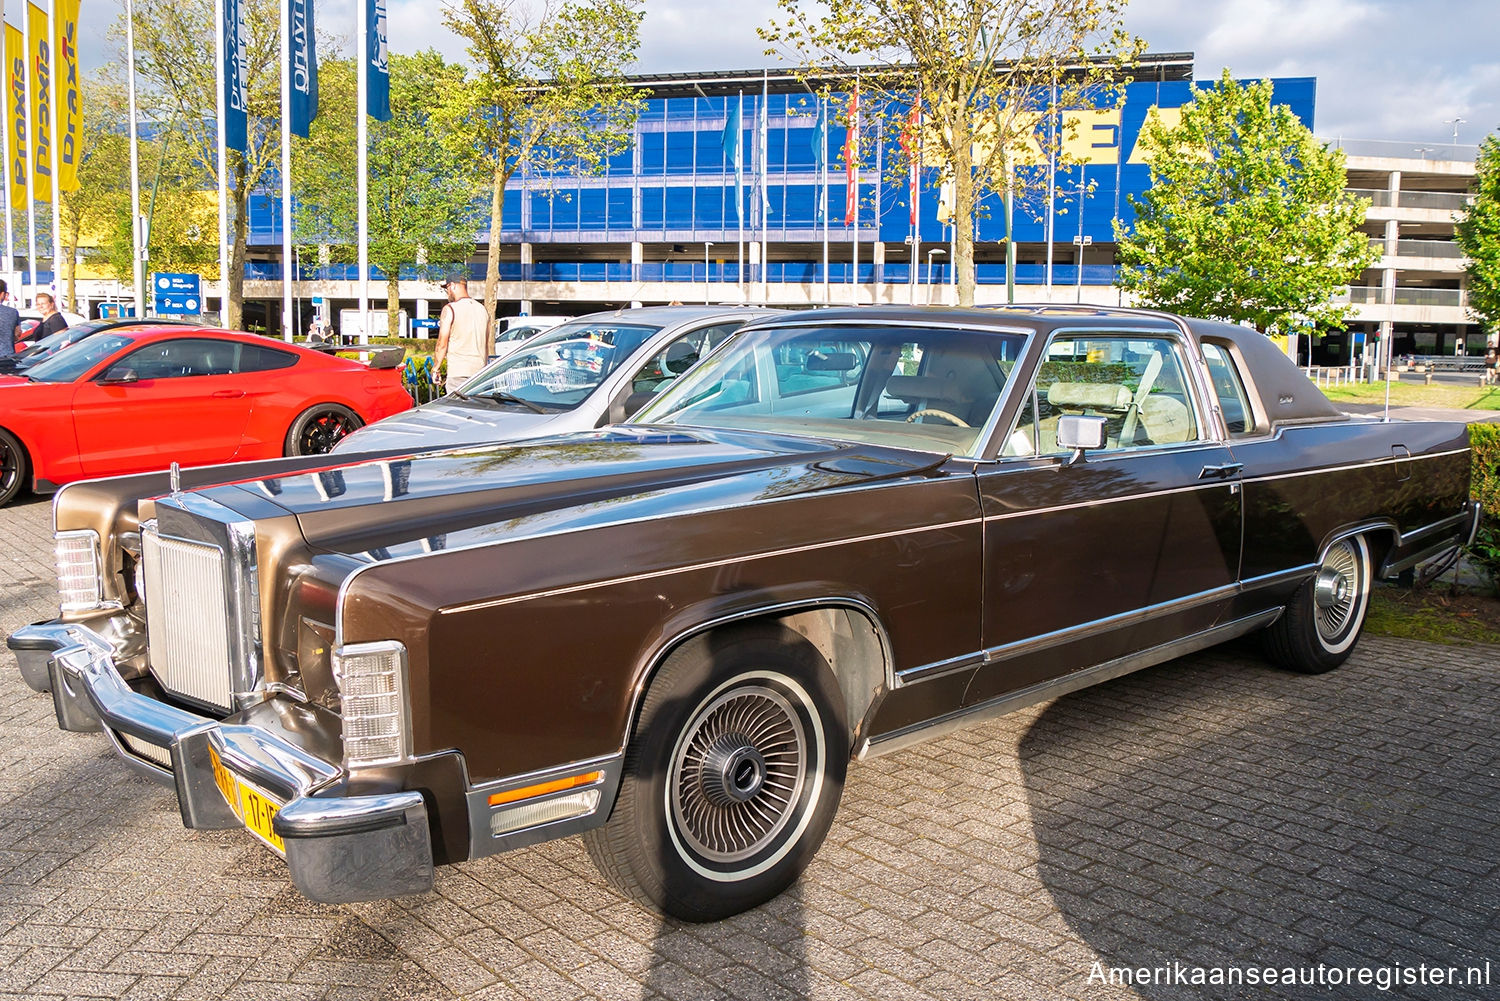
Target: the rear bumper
pixel 339 847
pixel 1430 542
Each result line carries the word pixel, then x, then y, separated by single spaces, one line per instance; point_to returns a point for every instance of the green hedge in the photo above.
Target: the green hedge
pixel 1485 487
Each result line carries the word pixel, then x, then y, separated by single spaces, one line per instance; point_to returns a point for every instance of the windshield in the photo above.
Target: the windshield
pixel 911 387
pixel 76 359
pixel 559 369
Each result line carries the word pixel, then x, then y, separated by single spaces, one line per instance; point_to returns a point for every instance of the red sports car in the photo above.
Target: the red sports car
pixel 138 399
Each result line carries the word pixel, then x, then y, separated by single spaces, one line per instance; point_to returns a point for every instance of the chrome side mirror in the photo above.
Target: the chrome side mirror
pixel 1080 434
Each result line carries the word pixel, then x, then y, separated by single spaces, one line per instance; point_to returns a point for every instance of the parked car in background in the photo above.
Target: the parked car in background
pixel 139 398
pixel 585 373
pixel 845 532
pixel 53 343
pixel 31 317
pixel 512 331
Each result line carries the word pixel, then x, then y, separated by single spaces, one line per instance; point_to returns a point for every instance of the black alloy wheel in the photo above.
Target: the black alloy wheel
pixel 320 428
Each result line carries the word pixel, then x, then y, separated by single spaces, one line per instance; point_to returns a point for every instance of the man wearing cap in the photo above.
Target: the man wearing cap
pixel 463 333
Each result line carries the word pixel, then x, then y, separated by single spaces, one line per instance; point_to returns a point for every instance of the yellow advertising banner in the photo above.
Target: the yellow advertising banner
pixel 15 111
pixel 41 100
pixel 69 96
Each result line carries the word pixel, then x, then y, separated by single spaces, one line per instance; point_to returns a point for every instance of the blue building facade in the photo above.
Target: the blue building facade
pixel 663 213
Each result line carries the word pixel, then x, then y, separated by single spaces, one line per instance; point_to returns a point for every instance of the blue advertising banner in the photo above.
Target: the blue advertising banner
pixel 304 48
pixel 236 58
pixel 378 69
pixel 177 294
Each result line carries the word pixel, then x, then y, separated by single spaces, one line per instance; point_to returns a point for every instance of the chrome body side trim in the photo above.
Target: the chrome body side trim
pixel 709 565
pixel 943 725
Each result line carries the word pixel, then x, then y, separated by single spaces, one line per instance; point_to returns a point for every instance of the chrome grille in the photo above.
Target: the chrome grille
pixel 188 618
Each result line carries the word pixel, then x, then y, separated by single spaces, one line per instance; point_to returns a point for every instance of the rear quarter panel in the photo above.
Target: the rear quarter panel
pixel 1305 484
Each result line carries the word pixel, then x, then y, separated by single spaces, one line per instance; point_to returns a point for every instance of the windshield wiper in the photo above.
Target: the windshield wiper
pixel 500 396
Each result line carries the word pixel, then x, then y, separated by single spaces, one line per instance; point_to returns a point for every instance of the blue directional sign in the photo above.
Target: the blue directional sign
pixel 177 295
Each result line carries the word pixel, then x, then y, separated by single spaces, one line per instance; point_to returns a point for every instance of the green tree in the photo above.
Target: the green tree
pixel 980 71
pixel 1478 234
pixel 178 90
pixel 547 96
pixel 181 214
pixel 421 181
pixel 1246 218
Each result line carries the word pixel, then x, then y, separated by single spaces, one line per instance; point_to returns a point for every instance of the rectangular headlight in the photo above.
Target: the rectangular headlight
pixel 78 584
pixel 376 705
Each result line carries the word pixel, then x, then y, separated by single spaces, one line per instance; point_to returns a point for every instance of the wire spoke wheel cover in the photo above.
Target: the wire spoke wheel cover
pixel 1338 591
pixel 738 773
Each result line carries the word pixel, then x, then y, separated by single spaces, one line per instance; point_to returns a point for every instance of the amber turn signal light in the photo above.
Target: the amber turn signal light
pixel 541 789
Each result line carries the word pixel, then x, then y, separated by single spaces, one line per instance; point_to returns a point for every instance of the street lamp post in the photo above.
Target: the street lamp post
pixel 706 245
pixel 1080 242
pixel 1455 122
pixel 930 253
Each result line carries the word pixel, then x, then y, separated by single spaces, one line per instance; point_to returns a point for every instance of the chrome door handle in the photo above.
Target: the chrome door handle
pixel 1223 472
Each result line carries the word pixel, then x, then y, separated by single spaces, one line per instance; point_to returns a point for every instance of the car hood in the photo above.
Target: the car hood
pixel 448 422
pixel 409 504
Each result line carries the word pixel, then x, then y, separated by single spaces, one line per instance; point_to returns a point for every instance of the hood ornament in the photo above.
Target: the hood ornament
pixel 174 476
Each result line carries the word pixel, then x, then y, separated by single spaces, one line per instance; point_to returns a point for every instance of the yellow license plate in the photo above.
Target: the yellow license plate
pixel 255 809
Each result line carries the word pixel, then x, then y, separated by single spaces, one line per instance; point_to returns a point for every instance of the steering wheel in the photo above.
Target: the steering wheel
pixel 931 412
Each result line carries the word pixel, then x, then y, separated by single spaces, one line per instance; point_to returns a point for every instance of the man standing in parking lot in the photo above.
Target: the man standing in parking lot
pixel 9 319
pixel 52 320
pixel 463 334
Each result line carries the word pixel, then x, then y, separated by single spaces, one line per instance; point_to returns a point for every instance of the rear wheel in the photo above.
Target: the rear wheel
pixel 1324 618
pixel 320 428
pixel 12 467
pixel 732 778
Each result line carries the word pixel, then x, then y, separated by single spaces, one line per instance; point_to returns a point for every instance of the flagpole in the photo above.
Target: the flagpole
pixel 362 30
pixel 56 154
pixel 287 276
pixel 765 189
pixel 222 152
pixel 10 236
pixel 854 198
pixel 1053 129
pixel 30 151
pixel 823 166
pixel 739 190
pixel 138 267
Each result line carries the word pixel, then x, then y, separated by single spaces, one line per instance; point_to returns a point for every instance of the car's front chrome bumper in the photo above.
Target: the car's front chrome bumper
pixel 339 847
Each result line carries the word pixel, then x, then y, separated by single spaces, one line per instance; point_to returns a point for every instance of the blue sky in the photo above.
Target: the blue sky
pixel 1386 69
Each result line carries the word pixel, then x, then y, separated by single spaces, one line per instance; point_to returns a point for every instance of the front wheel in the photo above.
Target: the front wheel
pixel 317 429
pixel 731 779
pixel 1326 615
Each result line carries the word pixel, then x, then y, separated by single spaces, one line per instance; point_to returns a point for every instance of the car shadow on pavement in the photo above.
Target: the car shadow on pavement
pixel 1216 813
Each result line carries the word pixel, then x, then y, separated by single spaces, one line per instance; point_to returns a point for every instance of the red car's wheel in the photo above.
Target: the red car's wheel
pixel 12 467
pixel 320 428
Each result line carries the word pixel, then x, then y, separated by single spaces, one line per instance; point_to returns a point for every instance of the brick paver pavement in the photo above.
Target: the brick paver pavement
pixel 1209 811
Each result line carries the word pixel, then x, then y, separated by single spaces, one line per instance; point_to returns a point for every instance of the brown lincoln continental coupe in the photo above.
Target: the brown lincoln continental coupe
pixel 845 532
